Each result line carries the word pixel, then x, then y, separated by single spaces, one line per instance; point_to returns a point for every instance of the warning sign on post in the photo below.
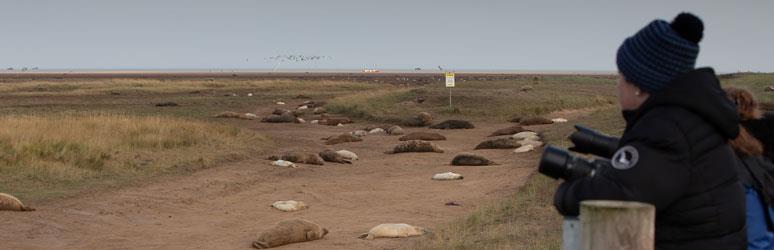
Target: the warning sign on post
pixel 449 80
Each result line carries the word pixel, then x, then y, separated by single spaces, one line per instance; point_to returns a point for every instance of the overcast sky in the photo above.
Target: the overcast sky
pixel 495 35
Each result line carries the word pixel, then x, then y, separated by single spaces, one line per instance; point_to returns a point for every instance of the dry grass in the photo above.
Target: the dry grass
pixel 481 99
pixel 50 156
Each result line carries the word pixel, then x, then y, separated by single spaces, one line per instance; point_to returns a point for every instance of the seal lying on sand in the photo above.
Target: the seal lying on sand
pixel 415 146
pixel 425 136
pixel 289 206
pixel 349 155
pixel 333 121
pixel 508 131
pixel 393 231
pixel 333 156
pixel 533 143
pixel 535 120
pixel 420 120
pixel 10 203
pixel 288 232
pixel 282 163
pixel 524 149
pixel 229 114
pixel 286 117
pixel 526 135
pixel 468 159
pixel 453 124
pixel 298 157
pixel 359 133
pixel 395 130
pixel 448 176
pixel 313 104
pixel 500 143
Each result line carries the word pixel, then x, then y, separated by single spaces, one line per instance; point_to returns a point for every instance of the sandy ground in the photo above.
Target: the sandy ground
pixel 225 207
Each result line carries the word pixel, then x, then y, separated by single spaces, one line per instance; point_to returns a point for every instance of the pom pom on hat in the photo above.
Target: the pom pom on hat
pixel 659 52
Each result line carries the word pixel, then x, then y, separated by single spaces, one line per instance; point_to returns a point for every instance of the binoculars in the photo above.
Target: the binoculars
pixel 560 164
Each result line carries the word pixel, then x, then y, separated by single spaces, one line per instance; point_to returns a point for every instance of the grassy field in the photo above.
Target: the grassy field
pixel 498 100
pixel 52 156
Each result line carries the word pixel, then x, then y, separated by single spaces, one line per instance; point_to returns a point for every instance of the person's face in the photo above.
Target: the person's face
pixel 630 97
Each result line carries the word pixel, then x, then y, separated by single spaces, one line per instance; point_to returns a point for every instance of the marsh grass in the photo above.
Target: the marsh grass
pixel 500 100
pixel 49 156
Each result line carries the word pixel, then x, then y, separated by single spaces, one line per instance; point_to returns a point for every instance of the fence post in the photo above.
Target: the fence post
pixel 617 225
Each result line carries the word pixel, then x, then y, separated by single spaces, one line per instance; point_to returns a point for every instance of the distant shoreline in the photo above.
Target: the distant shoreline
pixel 295 71
pixel 389 77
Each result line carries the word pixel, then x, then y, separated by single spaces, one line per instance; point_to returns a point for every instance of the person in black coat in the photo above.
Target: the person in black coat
pixel 674 152
pixel 754 171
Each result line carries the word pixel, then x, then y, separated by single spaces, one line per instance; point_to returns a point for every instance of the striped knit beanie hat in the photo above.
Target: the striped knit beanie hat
pixel 660 51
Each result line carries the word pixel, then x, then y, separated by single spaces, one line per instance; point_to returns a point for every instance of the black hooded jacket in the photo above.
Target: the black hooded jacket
pixel 674 154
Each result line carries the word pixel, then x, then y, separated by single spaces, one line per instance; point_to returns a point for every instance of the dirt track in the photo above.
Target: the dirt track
pixel 224 207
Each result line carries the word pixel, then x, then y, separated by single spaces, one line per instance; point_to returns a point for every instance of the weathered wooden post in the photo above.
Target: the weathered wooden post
pixel 617 225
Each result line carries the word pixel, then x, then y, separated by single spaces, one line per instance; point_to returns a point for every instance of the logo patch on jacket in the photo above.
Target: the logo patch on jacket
pixel 625 158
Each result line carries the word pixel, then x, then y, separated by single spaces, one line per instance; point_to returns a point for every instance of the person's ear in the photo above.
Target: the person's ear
pixel 638 91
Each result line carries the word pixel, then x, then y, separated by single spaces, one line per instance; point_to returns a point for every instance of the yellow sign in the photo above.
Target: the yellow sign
pixel 449 80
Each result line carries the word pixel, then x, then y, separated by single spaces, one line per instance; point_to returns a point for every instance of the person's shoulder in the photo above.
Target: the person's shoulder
pixel 659 127
pixel 677 128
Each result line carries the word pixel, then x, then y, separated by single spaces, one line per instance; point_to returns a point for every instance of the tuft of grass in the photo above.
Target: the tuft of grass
pixel 51 156
pixel 526 219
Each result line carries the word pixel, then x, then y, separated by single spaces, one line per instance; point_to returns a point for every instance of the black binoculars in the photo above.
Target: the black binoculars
pixel 560 164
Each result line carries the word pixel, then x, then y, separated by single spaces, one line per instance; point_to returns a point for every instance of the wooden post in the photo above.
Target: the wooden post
pixel 617 225
pixel 450 102
pixel 571 235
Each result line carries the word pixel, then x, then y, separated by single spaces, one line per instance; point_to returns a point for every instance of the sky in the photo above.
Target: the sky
pixel 398 34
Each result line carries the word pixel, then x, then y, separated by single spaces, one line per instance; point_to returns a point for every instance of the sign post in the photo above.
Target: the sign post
pixel 450 85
